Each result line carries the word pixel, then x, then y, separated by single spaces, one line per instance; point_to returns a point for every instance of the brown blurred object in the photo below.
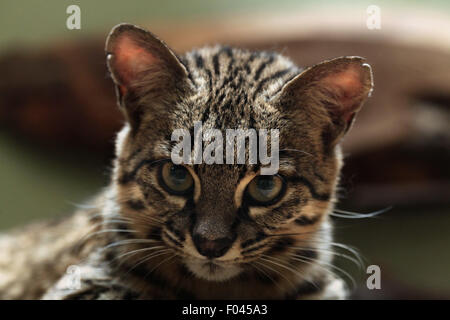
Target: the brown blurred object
pixel 399 147
pixel 60 97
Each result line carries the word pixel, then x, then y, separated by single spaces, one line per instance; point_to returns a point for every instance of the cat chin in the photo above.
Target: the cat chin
pixel 209 271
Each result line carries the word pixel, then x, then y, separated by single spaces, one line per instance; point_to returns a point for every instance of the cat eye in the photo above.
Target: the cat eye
pixel 265 190
pixel 175 179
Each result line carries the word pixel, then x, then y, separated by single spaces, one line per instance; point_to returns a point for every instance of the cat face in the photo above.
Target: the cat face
pixel 222 220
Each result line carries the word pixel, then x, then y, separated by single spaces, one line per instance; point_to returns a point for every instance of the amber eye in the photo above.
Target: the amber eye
pixel 265 190
pixel 176 179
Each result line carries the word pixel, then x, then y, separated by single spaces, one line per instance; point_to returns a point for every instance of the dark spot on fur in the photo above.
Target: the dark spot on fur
pixel 154 233
pixel 281 245
pixel 260 236
pixel 136 205
pixel 306 221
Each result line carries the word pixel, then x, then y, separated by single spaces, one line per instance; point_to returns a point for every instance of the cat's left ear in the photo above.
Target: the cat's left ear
pixel 138 61
pixel 335 89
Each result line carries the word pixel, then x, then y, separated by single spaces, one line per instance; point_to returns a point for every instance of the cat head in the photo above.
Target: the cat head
pixel 221 220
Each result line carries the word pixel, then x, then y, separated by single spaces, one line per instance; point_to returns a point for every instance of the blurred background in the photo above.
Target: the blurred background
pixel 58 115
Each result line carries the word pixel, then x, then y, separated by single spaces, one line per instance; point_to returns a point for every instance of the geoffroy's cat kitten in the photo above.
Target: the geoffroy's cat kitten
pixel 202 231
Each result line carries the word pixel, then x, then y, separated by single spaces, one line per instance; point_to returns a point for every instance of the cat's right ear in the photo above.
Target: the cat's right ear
pixel 334 90
pixel 141 66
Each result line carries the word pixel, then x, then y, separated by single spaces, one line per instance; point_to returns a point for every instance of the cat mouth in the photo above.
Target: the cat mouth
pixel 212 270
pixel 213 267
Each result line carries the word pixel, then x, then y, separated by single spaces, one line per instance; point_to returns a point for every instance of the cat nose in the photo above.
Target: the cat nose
pixel 212 248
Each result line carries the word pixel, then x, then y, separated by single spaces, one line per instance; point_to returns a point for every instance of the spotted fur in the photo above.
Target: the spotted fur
pixel 137 242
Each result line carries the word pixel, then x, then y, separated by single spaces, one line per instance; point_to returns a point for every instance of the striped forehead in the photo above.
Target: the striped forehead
pixel 233 84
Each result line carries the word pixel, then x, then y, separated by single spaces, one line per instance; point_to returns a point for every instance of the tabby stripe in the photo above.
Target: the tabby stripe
pixel 216 57
pixel 245 99
pixel 263 65
pixel 281 245
pixel 205 115
pixel 250 60
pixel 259 236
pixel 243 252
pixel 247 69
pixel 221 97
pixel 227 50
pixel 306 221
pixel 199 61
pixel 131 157
pixel 226 105
pixel 316 195
pixel 230 78
pixel 216 63
pixel 135 204
pixel 173 240
pixel 237 85
pixel 229 53
pixel 155 193
pixel 251 124
pixel 238 103
pixel 129 176
pixel 201 65
pixel 289 204
pixel 276 75
pixel 208 72
pixel 176 232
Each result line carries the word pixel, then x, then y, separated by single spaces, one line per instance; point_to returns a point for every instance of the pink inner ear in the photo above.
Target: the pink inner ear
pixel 348 88
pixel 130 59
